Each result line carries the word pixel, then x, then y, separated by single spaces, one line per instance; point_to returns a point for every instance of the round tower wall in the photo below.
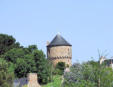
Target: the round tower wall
pixel 67 61
pixel 59 51
pixel 60 54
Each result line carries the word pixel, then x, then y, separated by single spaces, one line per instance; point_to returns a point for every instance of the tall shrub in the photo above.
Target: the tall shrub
pixel 59 69
pixel 42 68
pixel 6 75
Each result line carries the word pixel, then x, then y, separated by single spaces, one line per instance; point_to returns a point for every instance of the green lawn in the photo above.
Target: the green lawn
pixel 56 82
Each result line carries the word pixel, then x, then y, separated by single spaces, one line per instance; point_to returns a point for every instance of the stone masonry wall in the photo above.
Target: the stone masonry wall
pixel 66 60
pixel 32 80
pixel 60 54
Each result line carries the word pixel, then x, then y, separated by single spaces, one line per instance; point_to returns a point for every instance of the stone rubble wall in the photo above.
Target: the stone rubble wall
pixel 32 80
pixel 60 54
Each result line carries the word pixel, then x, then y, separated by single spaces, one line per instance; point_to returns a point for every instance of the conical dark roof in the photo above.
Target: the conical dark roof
pixel 59 41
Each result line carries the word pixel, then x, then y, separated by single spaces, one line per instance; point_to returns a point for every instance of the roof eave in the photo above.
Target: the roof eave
pixel 57 45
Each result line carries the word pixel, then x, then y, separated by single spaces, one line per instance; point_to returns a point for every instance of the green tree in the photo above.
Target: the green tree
pixel 91 72
pixel 101 73
pixel 6 75
pixel 24 59
pixel 13 54
pixel 25 65
pixel 31 48
pixel 21 68
pixel 60 66
pixel 7 42
pixel 43 70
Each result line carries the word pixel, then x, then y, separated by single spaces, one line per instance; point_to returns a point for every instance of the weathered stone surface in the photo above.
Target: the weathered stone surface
pixel 60 54
pixel 32 80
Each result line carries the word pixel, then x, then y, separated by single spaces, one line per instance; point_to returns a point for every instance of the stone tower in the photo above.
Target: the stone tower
pixel 59 50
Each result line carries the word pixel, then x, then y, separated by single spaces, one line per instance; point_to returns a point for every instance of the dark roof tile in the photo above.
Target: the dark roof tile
pixel 59 41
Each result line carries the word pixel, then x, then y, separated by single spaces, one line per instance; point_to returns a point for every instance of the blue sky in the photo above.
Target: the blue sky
pixel 86 24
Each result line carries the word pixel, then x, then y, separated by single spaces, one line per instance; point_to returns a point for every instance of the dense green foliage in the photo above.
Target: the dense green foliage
pixel 59 69
pixel 7 42
pixel 6 74
pixel 42 67
pixel 90 74
pixel 29 61
pixel 14 54
pixel 57 81
pixel 24 60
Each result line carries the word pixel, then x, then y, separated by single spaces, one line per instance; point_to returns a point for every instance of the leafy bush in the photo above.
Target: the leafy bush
pixel 24 60
pixel 6 75
pixel 29 60
pixel 7 42
pixel 13 54
pixel 90 74
pixel 59 69
pixel 75 75
pixel 42 67
pixel 55 83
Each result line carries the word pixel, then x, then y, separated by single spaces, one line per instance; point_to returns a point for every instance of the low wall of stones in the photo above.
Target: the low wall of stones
pixel 30 81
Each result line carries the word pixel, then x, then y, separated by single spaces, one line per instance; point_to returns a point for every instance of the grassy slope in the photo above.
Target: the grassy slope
pixel 56 82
